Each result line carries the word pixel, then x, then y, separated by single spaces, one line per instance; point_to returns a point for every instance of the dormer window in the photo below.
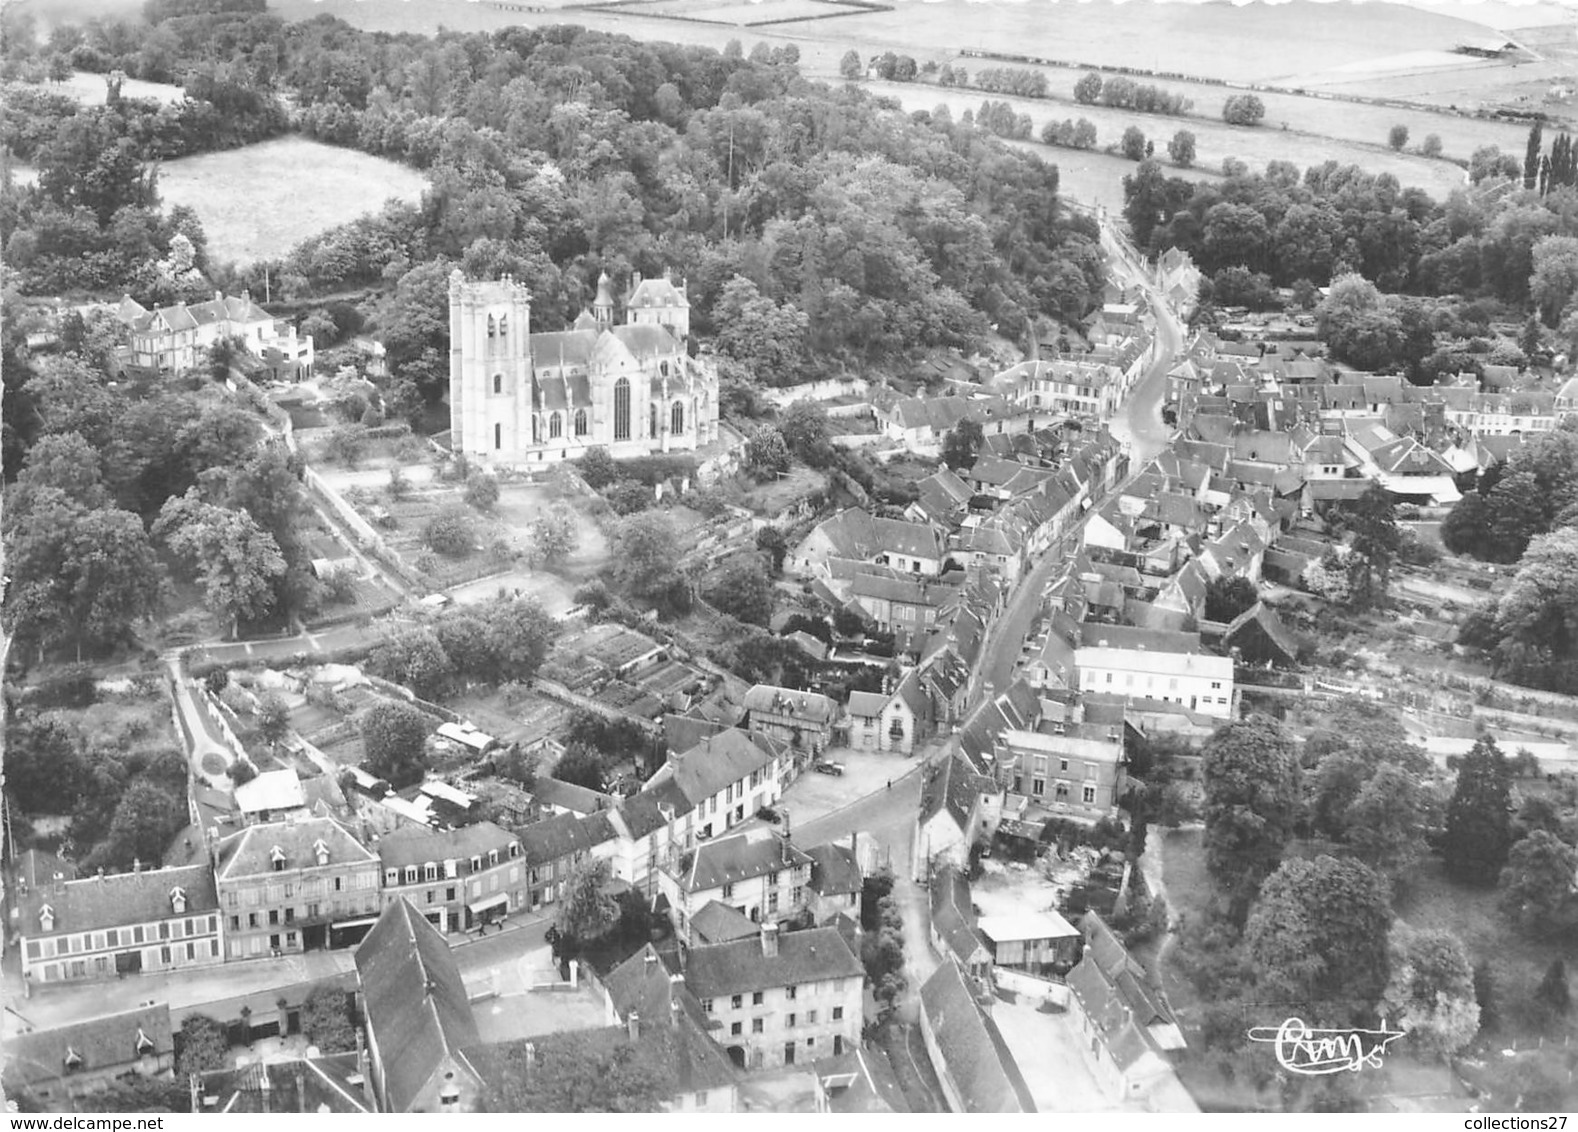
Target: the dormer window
pixel 276 857
pixel 144 1043
pixel 178 900
pixel 46 918
pixel 476 864
pixel 320 850
pixel 515 848
pixel 73 1060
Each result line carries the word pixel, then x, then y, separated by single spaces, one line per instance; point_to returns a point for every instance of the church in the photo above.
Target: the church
pixel 518 398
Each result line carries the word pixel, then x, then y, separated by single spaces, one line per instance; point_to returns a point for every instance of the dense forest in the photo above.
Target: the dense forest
pixel 1493 249
pixel 828 228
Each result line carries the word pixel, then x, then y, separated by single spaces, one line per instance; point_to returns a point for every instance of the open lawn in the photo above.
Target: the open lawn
pixel 771 498
pixel 743 14
pixel 1092 177
pixel 85 86
pixel 261 200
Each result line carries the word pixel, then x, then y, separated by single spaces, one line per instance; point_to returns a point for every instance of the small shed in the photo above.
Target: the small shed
pixel 1029 940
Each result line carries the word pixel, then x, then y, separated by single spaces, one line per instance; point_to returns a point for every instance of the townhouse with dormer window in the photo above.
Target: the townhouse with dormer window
pixel 104 926
pixel 293 886
pixel 456 879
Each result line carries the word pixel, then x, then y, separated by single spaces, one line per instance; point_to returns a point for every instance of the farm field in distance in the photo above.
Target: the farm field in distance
pixel 1214 140
pixel 249 214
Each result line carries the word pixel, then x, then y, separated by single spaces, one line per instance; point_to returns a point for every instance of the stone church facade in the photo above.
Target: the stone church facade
pixel 521 398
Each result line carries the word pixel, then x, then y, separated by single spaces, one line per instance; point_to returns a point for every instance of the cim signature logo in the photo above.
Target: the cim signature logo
pixel 1313 1053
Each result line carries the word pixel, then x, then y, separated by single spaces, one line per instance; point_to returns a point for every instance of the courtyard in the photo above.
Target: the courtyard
pixel 1047 1049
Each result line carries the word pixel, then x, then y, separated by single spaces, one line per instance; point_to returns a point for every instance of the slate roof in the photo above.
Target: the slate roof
pixel 952 786
pixel 715 762
pixel 977 1057
pixel 309 1085
pixel 729 860
pixel 642 813
pixel 99 1043
pixel 121 898
pixel 810 956
pixel 248 853
pixel 415 845
pixel 855 534
pixel 416 1003
pixel 570 796
pixel 1270 624
pixel 682 732
pixel 717 922
pixel 866 705
pixel 812 706
pixel 953 916
pixel 834 870
pixel 669 1016
pixel 656 292
pixel 552 839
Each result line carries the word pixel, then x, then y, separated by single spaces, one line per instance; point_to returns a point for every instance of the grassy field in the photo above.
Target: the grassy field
pixel 1214 140
pixel 261 200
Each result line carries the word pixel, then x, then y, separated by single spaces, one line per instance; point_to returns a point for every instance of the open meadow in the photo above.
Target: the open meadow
pixel 261 200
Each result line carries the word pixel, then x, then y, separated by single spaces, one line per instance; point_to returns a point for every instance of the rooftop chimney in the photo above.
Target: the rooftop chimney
pixel 770 940
pixel 633 1023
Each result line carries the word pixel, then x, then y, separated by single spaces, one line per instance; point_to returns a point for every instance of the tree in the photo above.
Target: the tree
pixel 236 560
pixel 804 426
pixel 583 1072
pixel 628 496
pixel 1466 529
pixel 1485 995
pixel 1532 153
pixel 581 765
pixel 1181 149
pixel 1088 89
pixel 1397 137
pixel 273 717
pixel 555 533
pixel 450 532
pixel 1537 884
pixel 962 444
pixel 1478 831
pixel 1133 144
pixel 520 633
pixel 1553 994
pixel 1392 819
pixel 770 541
pixel 1372 518
pixel 1228 596
pixel 598 468
pixel 1555 277
pixel 482 491
pixel 1243 110
pixel 587 912
pixel 850 66
pixel 146 818
pixel 766 454
pixel 1251 780
pixel 414 657
pixel 202 1044
pixel 744 592
pixel 326 1019
pixel 1431 146
pixel 1318 935
pixel 394 738
pixel 1430 994
pixel 646 551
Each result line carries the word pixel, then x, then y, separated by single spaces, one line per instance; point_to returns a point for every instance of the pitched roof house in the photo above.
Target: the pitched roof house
pixel 419 1020
pixel 977 1071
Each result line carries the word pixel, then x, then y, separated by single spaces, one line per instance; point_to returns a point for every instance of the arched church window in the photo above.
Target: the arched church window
pixel 498 436
pixel 652 419
pixel 498 383
pixel 580 422
pixel 493 327
pixel 663 368
pixel 536 429
pixel 622 409
pixel 555 426
pixel 504 325
pixel 677 417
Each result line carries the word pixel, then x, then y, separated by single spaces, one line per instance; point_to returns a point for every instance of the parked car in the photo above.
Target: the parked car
pixel 829 768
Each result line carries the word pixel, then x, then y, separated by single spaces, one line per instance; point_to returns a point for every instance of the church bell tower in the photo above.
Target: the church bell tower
pixel 490 370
